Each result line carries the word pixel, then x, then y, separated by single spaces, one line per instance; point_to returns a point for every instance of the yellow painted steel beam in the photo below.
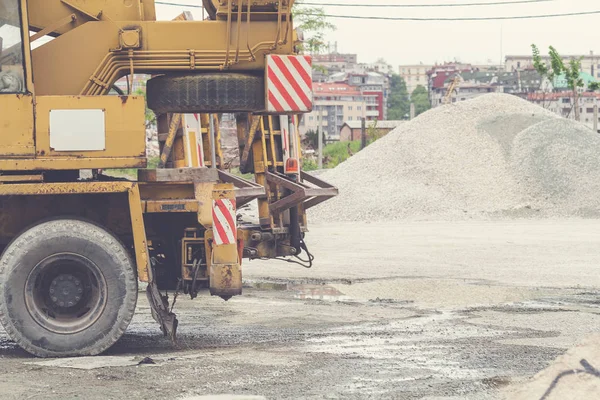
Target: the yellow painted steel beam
pixel 66 163
pixel 142 257
pixel 65 188
pixel 100 61
pixel 170 206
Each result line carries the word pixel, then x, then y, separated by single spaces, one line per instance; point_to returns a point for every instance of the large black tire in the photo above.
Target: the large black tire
pixel 206 93
pixel 67 288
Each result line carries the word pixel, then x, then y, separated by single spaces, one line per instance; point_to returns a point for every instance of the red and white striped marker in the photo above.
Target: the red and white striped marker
pixel 224 222
pixel 289 84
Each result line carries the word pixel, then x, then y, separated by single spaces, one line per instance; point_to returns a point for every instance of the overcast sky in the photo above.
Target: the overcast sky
pixel 407 42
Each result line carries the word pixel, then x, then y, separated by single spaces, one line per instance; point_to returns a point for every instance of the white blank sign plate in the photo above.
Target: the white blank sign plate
pixel 77 130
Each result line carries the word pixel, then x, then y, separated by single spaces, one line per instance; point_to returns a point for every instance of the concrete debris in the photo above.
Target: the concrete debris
pixel 152 147
pixel 573 375
pixel 496 156
pixel 229 140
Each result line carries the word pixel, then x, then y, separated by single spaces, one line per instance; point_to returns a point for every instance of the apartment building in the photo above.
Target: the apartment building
pixel 562 103
pixel 334 104
pixel 415 75
pixel 374 89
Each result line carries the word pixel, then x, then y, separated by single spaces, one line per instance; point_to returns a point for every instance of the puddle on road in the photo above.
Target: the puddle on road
pixel 304 292
pixel 318 292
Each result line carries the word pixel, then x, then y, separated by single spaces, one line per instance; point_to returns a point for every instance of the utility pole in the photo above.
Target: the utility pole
pixel 596 118
pixel 320 138
pixel 213 144
pixel 363 134
pixel 413 111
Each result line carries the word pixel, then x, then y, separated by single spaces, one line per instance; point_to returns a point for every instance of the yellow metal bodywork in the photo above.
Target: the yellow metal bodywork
pixel 203 192
pixel 16 125
pixel 200 46
pixel 125 131
pixel 139 235
pixel 73 188
pixel 23 148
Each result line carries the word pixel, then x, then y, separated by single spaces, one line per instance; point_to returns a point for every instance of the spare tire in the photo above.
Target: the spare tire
pixel 206 93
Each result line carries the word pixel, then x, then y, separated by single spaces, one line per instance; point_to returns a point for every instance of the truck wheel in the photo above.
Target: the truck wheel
pixel 206 93
pixel 67 288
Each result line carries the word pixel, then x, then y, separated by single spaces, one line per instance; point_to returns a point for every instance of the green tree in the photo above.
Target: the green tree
pixel 572 72
pixel 150 116
pixel 398 99
pixel 313 23
pixel 311 138
pixel 574 82
pixel 546 73
pixel 420 98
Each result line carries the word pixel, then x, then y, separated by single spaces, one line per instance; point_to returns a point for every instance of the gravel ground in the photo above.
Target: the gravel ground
pixel 495 156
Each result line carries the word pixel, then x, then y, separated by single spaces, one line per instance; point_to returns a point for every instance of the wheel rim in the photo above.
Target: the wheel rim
pixel 65 293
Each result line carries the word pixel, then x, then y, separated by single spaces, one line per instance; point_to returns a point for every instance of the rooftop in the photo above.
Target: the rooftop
pixel 560 95
pixel 337 89
pixel 380 124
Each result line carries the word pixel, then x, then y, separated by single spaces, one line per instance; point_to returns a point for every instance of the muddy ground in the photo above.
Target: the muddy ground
pixel 389 311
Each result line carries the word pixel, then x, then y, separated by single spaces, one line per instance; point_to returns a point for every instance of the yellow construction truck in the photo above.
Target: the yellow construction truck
pixel 74 247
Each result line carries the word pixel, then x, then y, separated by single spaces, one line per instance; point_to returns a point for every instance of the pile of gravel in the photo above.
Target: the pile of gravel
pixel 493 156
pixel 558 163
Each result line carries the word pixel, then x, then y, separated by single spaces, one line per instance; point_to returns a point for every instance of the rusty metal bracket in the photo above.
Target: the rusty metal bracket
pixel 329 190
pixel 250 135
pixel 300 192
pixel 159 306
pixel 245 191
pixel 173 127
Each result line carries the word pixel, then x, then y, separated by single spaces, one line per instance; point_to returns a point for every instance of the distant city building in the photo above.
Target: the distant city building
pixel 560 82
pixel 415 75
pixel 437 77
pixel 590 63
pixel 465 85
pixel 334 103
pixel 352 130
pixel 373 87
pixel 561 103
pixel 325 65
pixel 488 67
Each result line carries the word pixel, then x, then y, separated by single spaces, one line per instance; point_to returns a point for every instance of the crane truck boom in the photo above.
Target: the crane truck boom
pixel 75 249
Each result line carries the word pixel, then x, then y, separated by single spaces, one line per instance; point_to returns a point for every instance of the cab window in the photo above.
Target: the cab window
pixel 12 71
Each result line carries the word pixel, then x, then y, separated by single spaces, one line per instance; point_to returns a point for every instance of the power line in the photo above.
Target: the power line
pixel 425 5
pixel 501 18
pixel 461 19
pixel 164 3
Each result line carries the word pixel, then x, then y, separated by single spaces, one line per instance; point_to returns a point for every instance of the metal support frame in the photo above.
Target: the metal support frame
pixel 302 194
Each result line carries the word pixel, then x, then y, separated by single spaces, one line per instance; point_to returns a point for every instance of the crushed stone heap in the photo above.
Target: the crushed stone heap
pixel 496 156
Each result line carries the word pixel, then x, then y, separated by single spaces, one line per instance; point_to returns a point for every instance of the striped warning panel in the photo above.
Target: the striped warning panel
pixel 289 84
pixel 224 225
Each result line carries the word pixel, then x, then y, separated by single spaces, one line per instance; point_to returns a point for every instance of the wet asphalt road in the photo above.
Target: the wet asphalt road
pixel 421 310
